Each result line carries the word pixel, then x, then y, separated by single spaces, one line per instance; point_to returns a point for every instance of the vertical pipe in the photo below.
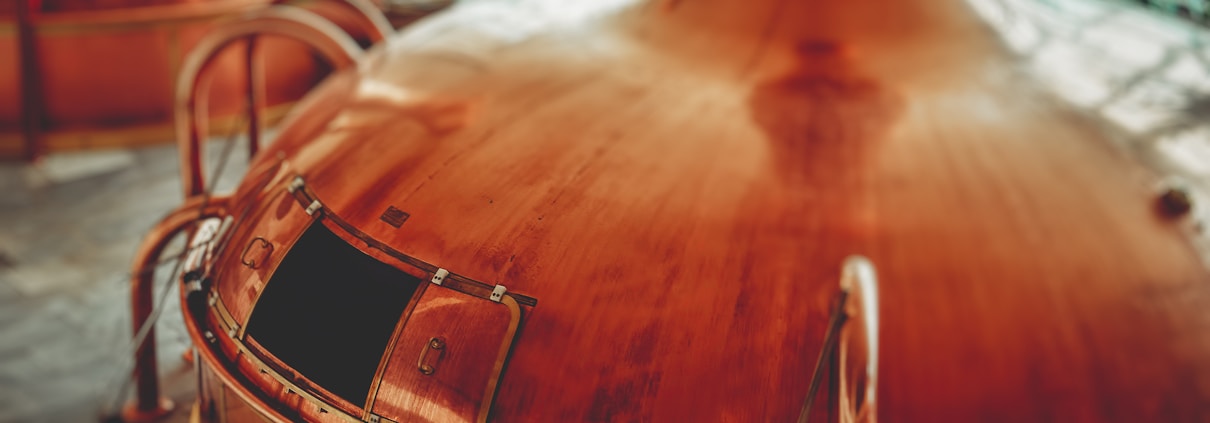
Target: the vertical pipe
pixel 191 125
pixel 256 95
pixel 148 405
pixel 31 78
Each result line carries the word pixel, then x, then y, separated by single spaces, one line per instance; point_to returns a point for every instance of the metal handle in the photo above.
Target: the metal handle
pixel 859 279
pixel 433 344
pixel 265 248
pixel 323 36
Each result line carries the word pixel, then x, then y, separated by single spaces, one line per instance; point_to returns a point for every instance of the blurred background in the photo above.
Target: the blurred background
pixel 86 97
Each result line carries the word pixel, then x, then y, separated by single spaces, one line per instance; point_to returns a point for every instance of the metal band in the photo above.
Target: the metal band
pixel 220 312
pixel 306 198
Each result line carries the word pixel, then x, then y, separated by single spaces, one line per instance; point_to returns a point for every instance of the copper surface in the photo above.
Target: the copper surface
pixel 678 182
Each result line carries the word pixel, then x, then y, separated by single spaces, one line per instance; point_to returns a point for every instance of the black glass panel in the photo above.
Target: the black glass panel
pixel 329 311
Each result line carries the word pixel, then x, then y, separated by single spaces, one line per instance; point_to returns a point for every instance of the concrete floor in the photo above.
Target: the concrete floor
pixel 69 227
pixel 70 224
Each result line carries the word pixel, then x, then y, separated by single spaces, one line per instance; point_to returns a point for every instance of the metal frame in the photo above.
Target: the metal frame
pixel 307 198
pixel 234 330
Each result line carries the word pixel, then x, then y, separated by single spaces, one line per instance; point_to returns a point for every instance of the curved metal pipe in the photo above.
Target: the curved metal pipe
pixel 379 25
pixel 382 27
pixel 324 37
pixel 860 281
pixel 857 280
pixel 148 404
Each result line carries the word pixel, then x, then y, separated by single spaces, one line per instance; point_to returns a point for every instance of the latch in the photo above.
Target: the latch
pixel 295 184
pixel 315 206
pixel 439 277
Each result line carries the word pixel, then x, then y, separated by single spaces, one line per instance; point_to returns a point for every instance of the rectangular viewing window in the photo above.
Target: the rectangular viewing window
pixel 329 311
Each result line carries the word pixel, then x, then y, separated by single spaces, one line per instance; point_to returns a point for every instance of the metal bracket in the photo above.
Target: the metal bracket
pixel 315 206
pixel 194 286
pixel 498 293
pixel 439 277
pixel 295 184
pixel 200 247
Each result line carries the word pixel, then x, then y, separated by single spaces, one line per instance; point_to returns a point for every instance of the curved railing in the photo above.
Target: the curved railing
pixel 853 327
pixel 321 35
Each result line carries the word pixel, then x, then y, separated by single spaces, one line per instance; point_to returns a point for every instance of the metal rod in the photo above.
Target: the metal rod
pixel 256 95
pixel 831 338
pixel 149 404
pixel 146 373
pixel 31 78
pixel 321 35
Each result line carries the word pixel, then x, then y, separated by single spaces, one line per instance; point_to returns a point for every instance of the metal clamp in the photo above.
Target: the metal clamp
pixel 295 184
pixel 315 206
pixel 439 277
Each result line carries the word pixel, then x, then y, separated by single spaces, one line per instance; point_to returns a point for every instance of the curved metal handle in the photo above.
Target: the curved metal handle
pixel 265 248
pixel 322 36
pixel 379 27
pixel 858 280
pixel 433 344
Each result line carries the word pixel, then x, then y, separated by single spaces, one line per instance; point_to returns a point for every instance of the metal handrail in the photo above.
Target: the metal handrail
pixel 380 27
pixel 323 36
pixel 858 279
